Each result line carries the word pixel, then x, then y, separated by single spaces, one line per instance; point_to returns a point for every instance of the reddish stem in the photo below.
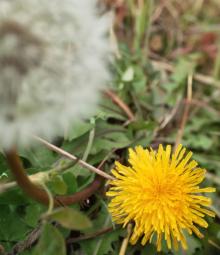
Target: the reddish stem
pixel 38 193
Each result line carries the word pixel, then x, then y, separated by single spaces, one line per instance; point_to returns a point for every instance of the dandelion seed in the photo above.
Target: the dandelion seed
pixel 53 63
pixel 160 193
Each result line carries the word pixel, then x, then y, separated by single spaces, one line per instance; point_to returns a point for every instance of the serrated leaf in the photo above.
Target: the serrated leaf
pixel 110 141
pixel 39 157
pixel 70 218
pixel 109 110
pixel 140 125
pixel 79 129
pixel 198 141
pixel 51 242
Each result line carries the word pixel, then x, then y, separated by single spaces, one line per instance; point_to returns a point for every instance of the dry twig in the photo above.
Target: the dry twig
pixel 89 236
pixel 72 157
pixel 27 243
pixel 126 240
pixel 203 79
pixel 121 104
pixel 186 111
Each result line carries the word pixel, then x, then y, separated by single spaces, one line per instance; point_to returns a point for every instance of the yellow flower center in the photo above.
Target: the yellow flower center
pixel 160 193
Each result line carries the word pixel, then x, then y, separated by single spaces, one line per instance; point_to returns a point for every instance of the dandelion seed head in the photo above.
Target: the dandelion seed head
pixel 53 63
pixel 160 193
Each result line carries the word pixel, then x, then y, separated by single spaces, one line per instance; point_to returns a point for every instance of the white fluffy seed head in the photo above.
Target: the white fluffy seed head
pixel 53 63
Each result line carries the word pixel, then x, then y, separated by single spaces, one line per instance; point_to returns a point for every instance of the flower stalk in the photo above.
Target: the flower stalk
pixel 39 194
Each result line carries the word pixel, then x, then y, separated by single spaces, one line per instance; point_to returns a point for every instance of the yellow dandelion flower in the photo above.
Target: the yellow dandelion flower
pixel 160 193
